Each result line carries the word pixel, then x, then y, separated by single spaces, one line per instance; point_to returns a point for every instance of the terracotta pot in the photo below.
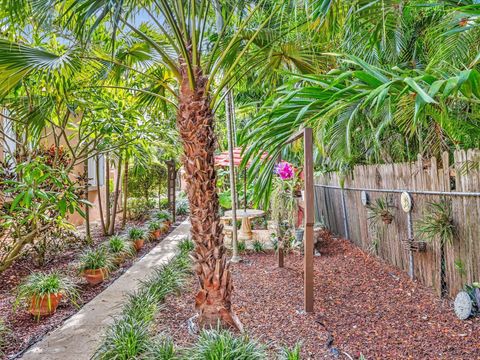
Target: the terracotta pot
pixel 119 259
pixel 138 244
pixel 95 276
pixel 156 234
pixel 44 305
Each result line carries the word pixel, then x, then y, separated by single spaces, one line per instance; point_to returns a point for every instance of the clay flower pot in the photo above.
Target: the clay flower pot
pixel 44 305
pixel 138 244
pixel 119 259
pixel 95 276
pixel 156 234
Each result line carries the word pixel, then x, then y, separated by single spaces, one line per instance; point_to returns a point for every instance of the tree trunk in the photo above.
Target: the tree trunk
pixel 107 194
pixel 116 195
pixel 195 124
pixel 88 235
pixel 125 193
pixel 100 207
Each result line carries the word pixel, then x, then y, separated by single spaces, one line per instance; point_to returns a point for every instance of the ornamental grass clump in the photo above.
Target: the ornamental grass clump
pixel 290 354
pixel 437 223
pixel 222 344
pixel 258 246
pixel 137 236
pixel 129 337
pixel 43 292
pixel 120 249
pixel 4 334
pixel 380 211
pixel 95 264
pixel 162 348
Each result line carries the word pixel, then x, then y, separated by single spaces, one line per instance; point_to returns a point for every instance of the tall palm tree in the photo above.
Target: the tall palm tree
pixel 178 36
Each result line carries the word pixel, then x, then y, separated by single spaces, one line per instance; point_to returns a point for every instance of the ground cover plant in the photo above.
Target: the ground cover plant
pixel 130 337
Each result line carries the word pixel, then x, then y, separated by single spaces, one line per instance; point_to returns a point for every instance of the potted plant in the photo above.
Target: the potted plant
pixel 120 249
pixel 95 265
pixel 164 216
pixel 43 292
pixel 157 228
pixel 380 210
pixel 137 236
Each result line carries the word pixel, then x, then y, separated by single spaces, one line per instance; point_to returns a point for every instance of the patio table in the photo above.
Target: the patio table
pixel 245 232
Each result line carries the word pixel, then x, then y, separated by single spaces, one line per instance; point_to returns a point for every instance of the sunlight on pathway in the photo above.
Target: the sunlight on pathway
pixel 80 335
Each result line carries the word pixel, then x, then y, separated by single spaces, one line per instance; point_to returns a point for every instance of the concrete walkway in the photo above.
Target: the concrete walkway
pixel 79 337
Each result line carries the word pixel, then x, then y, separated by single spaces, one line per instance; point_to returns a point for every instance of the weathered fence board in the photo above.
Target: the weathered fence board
pixel 461 259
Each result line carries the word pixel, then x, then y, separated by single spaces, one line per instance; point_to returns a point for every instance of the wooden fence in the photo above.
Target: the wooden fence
pixel 461 259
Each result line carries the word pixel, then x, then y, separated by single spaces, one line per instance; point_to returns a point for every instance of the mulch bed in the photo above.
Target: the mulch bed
pixel 25 330
pixel 363 306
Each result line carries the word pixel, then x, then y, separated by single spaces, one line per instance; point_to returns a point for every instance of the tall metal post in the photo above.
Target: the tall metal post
pixel 345 216
pixel 309 220
pixel 410 239
pixel 230 117
pixel 172 176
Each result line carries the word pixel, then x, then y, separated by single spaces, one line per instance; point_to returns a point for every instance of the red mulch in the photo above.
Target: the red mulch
pixel 25 330
pixel 362 306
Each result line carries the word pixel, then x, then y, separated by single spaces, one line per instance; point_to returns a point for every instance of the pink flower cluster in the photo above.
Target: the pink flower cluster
pixel 285 170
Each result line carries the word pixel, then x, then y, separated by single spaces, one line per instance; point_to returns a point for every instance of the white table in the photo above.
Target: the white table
pixel 245 232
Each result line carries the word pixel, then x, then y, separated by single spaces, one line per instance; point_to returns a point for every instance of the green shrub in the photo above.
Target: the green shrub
pixel 181 207
pixel 438 222
pixel 258 246
pixel 186 245
pixel 155 225
pixel 4 335
pixel 136 234
pixel 163 215
pixel 93 259
pixel 163 204
pixel 241 246
pixel 222 344
pixel 162 348
pixel 129 336
pixel 125 339
pixel 138 208
pixel 119 246
pixel 141 305
pixel 40 284
pixel 290 354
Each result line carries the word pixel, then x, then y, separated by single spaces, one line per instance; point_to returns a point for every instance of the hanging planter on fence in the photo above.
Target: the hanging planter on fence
pixel 414 245
pixel 380 210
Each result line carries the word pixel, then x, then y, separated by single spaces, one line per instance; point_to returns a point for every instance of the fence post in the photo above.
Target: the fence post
pixel 345 215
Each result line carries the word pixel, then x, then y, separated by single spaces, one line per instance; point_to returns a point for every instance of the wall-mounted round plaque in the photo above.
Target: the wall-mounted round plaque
pixel 407 201
pixel 365 198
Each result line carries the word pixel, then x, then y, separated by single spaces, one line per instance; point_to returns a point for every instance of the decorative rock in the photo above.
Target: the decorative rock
pixel 463 305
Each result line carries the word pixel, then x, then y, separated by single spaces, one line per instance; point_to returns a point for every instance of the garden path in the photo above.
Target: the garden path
pixel 79 337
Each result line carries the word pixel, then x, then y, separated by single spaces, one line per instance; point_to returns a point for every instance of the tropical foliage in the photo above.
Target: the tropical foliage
pixel 402 79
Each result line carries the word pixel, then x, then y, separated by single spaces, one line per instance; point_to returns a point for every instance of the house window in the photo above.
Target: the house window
pixel 92 171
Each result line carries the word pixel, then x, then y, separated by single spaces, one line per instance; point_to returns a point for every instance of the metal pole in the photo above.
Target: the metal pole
pixel 233 189
pixel 309 221
pixel 345 215
pixel 245 189
pixel 396 191
pixel 410 239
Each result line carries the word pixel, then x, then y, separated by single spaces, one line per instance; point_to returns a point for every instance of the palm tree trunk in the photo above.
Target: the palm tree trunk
pixel 195 124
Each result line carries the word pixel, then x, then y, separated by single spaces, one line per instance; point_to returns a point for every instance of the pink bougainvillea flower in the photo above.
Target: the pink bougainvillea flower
pixel 285 170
